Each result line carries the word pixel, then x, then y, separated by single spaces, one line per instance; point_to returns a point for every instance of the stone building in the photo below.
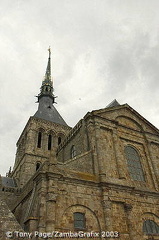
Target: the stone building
pixel 101 176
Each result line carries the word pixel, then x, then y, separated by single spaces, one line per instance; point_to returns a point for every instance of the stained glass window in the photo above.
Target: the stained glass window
pixel 134 164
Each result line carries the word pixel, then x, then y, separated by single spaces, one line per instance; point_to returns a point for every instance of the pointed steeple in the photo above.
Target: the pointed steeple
pixel 47 84
pixel 48 69
pixel 46 98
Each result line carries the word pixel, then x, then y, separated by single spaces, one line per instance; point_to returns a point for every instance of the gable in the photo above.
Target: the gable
pixel 128 122
pixel 126 116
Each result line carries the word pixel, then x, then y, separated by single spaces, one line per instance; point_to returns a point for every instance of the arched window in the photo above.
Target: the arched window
pixel 150 227
pixel 134 164
pixel 38 164
pixel 59 140
pixel 79 220
pixel 39 140
pixel 26 227
pixel 73 151
pixel 49 142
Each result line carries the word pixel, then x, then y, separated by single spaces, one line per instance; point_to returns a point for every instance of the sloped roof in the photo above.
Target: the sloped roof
pixel 114 106
pixel 8 182
pixel 8 221
pixel 114 103
pixel 48 112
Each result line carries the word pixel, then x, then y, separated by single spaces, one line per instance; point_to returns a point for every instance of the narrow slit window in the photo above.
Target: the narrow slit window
pixel 59 140
pixel 38 164
pixel 73 151
pixel 39 140
pixel 49 142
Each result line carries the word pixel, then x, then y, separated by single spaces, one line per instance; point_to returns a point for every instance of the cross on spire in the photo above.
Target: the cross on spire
pixel 49 49
pixel 47 84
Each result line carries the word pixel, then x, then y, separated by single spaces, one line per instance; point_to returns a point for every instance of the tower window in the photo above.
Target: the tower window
pixel 39 140
pixel 38 164
pixel 59 140
pixel 79 220
pixel 73 151
pixel 134 164
pixel 49 142
pixel 150 227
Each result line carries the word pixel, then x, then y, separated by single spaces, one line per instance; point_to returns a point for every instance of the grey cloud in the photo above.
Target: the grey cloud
pixel 101 50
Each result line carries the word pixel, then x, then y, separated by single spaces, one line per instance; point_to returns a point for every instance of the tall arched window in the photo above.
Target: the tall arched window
pixel 79 220
pixel 59 140
pixel 73 151
pixel 49 142
pixel 150 227
pixel 39 139
pixel 134 164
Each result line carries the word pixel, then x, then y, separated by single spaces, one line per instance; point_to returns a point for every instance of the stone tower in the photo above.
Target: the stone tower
pixel 42 134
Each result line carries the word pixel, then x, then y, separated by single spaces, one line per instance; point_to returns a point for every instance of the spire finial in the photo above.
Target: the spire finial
pixel 47 84
pixel 49 49
pixel 48 69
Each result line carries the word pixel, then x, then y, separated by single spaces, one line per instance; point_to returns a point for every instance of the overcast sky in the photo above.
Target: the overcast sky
pixel 101 50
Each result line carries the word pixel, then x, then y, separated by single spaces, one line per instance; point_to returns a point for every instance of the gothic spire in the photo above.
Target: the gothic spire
pixel 46 109
pixel 48 69
pixel 47 84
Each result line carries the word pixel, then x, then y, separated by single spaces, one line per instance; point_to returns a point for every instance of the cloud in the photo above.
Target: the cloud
pixel 101 50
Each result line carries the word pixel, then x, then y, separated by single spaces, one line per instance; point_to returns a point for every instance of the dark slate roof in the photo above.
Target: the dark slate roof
pixel 114 103
pixel 47 111
pixel 8 182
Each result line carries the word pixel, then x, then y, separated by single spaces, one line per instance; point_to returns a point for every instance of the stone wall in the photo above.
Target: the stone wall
pixel 83 163
pixel 77 137
pixel 8 222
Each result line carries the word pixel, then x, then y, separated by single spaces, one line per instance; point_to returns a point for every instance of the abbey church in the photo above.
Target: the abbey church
pixel 100 177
